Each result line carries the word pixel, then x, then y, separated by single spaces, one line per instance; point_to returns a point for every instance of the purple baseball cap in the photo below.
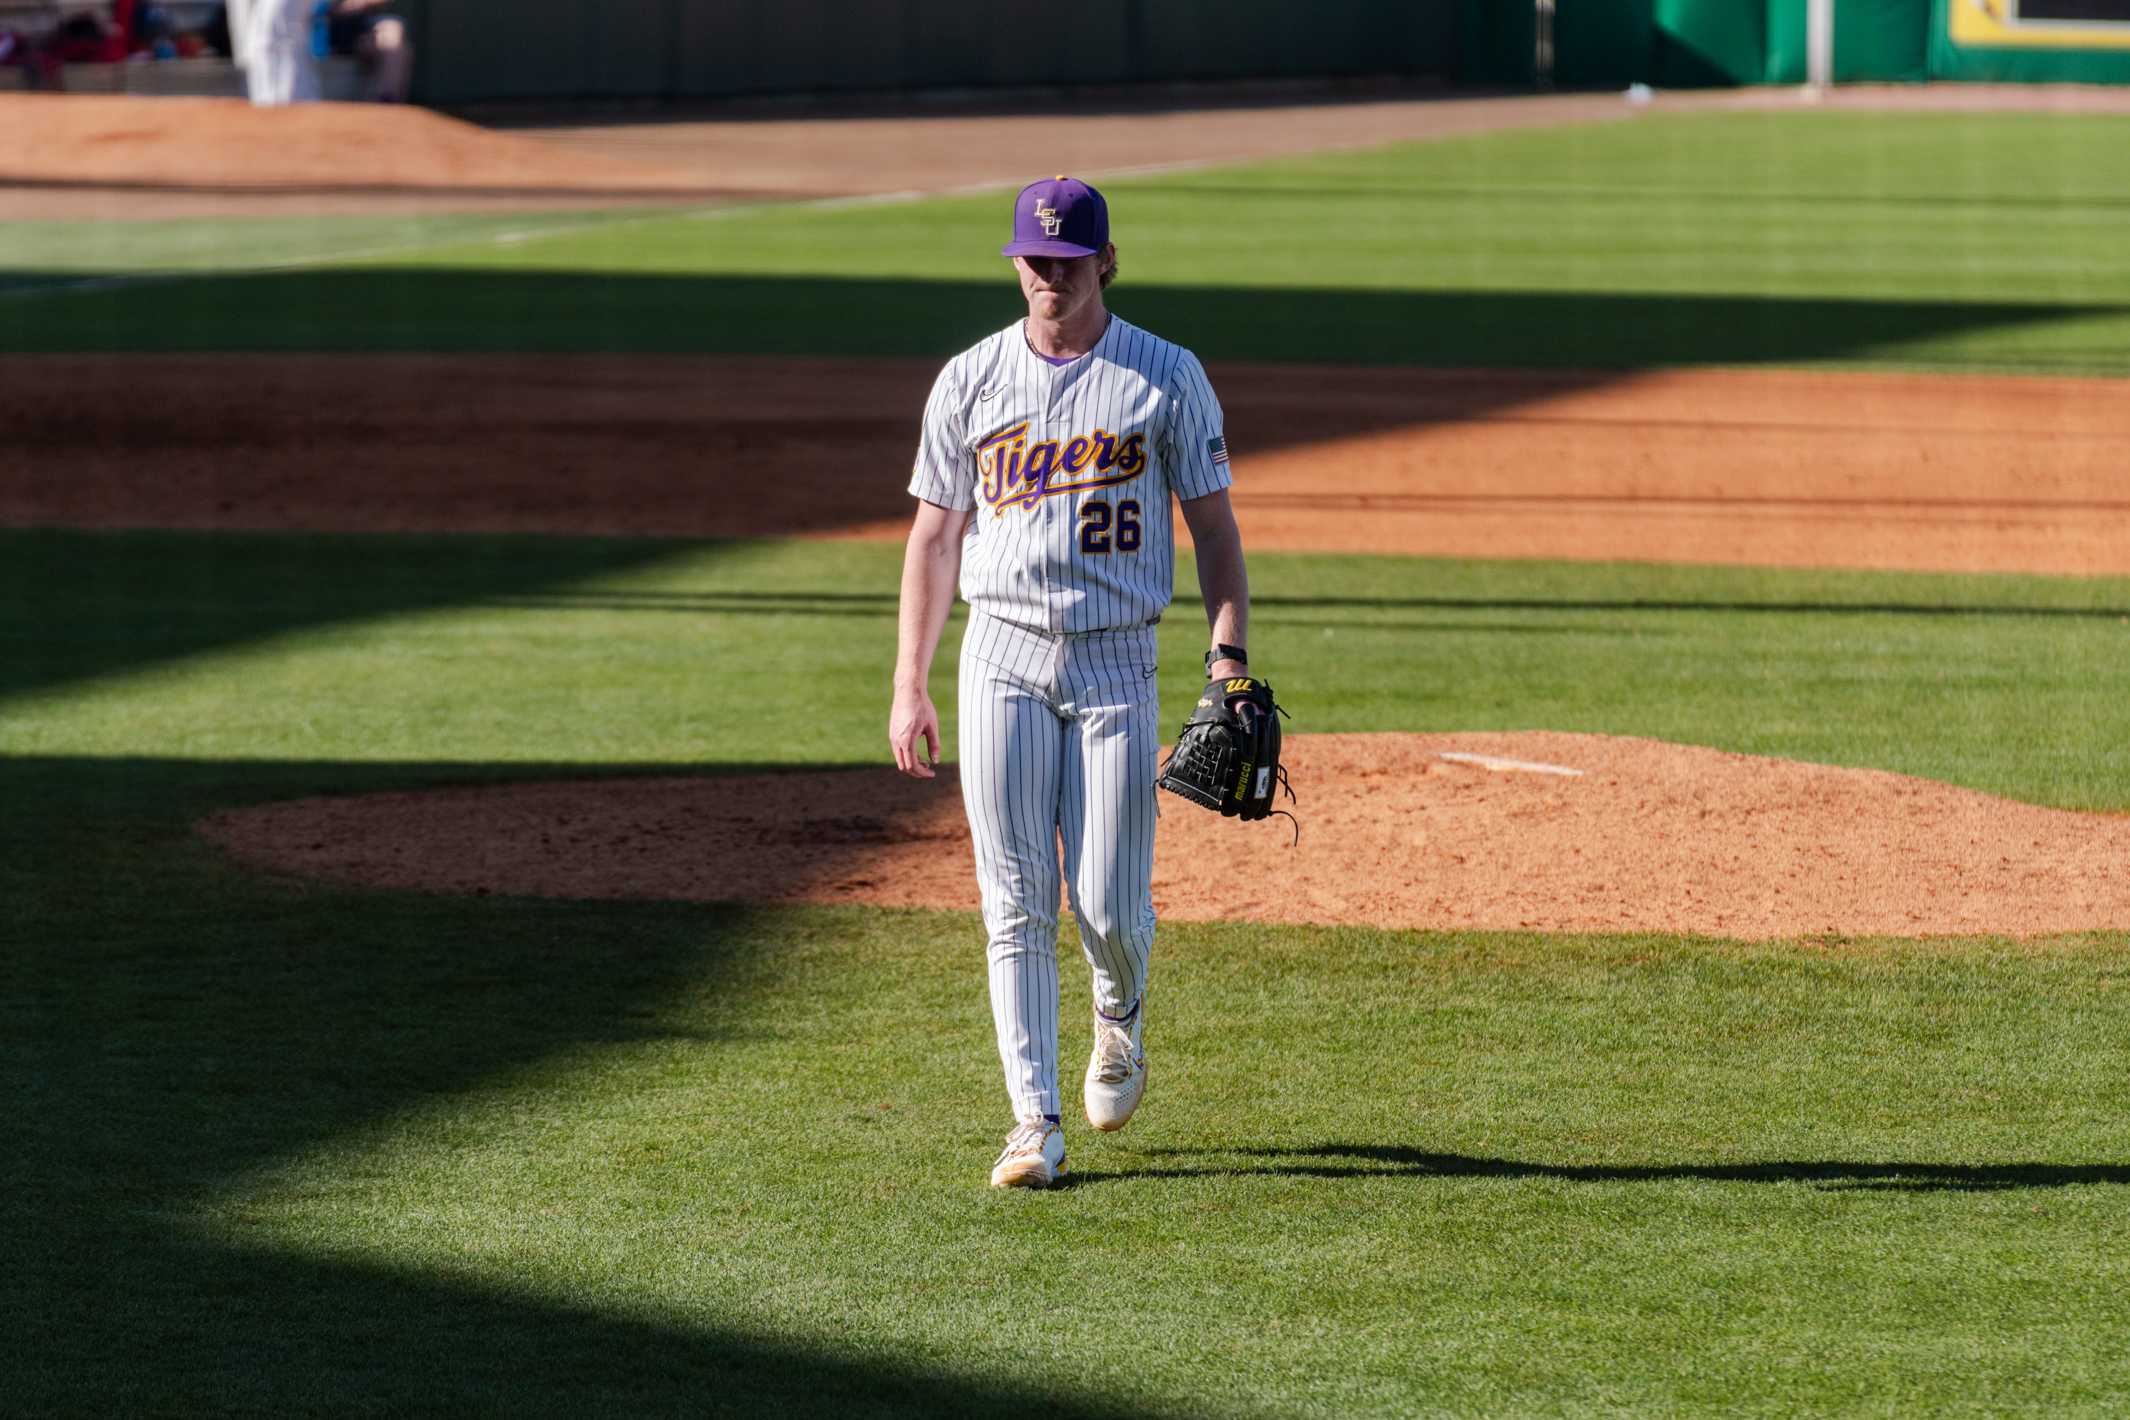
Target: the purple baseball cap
pixel 1058 216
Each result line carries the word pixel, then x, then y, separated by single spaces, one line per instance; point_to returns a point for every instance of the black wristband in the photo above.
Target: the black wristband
pixel 1223 652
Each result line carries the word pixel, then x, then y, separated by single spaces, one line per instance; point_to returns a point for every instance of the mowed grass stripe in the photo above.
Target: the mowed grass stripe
pixel 529 650
pixel 1958 241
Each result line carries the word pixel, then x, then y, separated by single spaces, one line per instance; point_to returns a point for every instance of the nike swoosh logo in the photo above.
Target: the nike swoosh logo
pixel 986 396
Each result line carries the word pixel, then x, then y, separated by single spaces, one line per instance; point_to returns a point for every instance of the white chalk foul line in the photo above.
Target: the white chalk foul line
pixel 309 260
pixel 1508 766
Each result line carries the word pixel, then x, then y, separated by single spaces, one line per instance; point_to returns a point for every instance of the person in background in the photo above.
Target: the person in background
pixel 82 36
pixel 364 29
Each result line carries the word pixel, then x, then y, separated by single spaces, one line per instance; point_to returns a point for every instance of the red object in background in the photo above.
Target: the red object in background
pixel 120 44
pixel 109 45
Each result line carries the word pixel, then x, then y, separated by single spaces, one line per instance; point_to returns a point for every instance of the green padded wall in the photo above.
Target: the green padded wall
pixel 1603 43
pixel 1881 41
pixel 1699 43
pixel 1704 42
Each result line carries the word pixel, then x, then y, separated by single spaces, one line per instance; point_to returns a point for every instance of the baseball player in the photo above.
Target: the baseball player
pixel 1044 475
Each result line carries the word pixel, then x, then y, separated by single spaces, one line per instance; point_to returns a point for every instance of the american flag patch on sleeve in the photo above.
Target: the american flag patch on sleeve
pixel 1217 446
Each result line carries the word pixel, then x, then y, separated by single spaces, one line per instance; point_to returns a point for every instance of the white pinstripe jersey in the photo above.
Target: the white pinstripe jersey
pixel 1069 469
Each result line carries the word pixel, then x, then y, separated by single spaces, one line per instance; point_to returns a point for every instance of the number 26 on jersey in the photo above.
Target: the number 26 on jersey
pixel 1102 527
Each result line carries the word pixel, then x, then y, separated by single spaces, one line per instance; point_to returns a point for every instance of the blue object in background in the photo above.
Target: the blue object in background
pixel 322 29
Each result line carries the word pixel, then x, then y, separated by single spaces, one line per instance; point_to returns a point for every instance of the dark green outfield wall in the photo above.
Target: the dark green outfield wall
pixel 472 51
pixel 1603 42
pixel 1497 42
pixel 478 50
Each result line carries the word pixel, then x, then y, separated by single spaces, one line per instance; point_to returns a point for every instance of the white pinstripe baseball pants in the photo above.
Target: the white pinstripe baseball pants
pixel 1060 743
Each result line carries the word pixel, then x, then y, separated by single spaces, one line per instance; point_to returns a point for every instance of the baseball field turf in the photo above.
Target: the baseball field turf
pixel 274 1147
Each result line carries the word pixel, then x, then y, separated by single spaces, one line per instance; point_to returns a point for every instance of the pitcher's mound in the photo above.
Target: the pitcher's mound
pixel 1553 832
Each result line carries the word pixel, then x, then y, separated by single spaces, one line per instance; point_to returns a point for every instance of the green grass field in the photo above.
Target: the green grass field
pixel 1919 241
pixel 277 1148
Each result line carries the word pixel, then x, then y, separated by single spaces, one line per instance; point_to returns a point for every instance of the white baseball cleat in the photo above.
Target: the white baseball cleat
pixel 1116 1073
pixel 1034 1156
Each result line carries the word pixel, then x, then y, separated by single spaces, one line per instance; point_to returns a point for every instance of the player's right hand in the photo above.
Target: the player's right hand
pixel 912 719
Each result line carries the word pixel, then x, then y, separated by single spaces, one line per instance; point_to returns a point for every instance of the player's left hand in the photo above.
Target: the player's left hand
pixel 912 718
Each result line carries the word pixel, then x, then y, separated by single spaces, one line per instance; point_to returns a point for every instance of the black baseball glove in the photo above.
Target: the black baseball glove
pixel 1227 754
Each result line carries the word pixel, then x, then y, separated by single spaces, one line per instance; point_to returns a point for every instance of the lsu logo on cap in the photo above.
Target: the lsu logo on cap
pixel 1049 217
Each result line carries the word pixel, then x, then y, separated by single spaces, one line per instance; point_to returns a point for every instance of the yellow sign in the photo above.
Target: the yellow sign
pixel 1997 24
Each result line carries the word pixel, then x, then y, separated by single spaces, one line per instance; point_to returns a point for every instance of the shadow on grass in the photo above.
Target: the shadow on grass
pixel 78 605
pixel 1832 607
pixel 172 1326
pixel 462 309
pixel 169 1026
pixel 1336 1161
pixel 1641 199
pixel 883 603
pixel 869 608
